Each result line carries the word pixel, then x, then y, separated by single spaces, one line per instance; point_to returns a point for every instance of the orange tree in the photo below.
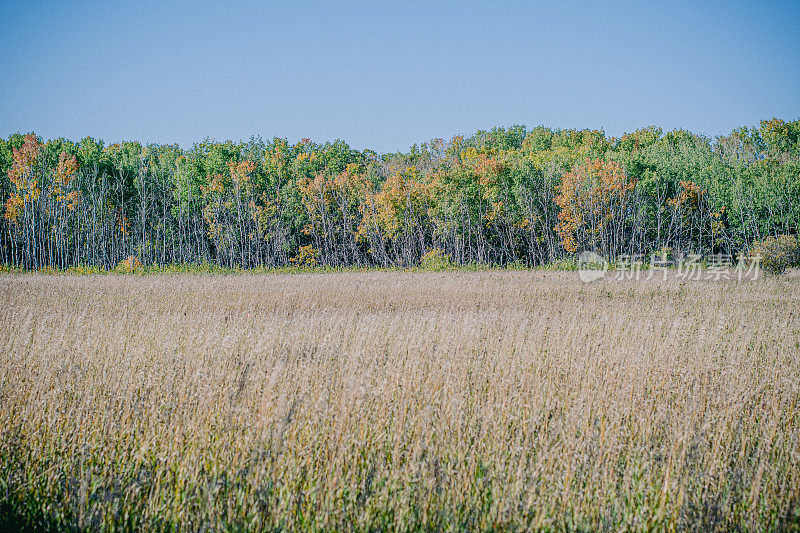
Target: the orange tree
pixel 536 171
pixel 41 202
pixel 597 203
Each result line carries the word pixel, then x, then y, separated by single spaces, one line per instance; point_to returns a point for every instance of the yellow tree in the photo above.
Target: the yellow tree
pixel 397 214
pixel 231 215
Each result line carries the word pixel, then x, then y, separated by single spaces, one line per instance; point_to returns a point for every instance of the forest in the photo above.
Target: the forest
pixel 508 195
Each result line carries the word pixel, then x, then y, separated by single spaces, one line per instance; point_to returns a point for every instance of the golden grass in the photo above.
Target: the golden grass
pixel 513 400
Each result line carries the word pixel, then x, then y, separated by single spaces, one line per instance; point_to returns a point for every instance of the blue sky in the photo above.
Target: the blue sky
pixel 385 75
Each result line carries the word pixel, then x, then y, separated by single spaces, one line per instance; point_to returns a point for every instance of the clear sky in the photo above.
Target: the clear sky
pixel 385 75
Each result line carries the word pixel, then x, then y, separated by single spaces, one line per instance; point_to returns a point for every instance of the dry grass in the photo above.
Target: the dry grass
pixel 489 400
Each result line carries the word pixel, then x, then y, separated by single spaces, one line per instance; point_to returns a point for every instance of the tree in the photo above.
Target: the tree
pixel 597 208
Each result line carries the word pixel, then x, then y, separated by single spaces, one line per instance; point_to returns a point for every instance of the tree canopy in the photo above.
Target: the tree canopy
pixel 496 197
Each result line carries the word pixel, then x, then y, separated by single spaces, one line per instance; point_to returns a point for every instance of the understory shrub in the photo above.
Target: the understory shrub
pixel 777 253
pixel 435 259
pixel 129 265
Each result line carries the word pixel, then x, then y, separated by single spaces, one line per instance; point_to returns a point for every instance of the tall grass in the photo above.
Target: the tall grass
pixel 356 401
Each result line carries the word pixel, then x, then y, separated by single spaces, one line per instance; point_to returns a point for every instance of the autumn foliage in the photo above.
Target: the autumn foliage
pixel 503 196
pixel 595 200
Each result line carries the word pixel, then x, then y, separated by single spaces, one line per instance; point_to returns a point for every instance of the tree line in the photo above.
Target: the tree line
pixel 496 197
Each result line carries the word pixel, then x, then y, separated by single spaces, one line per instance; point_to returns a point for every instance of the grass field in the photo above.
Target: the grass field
pixel 391 400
